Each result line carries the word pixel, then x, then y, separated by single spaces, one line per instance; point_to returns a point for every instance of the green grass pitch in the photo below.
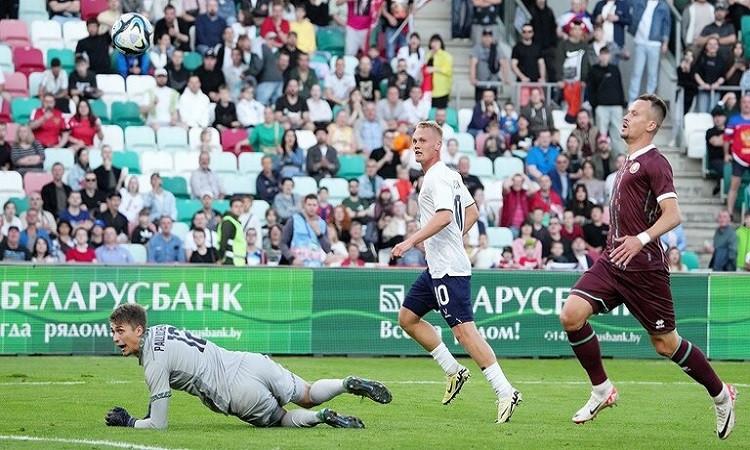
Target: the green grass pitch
pixel 660 407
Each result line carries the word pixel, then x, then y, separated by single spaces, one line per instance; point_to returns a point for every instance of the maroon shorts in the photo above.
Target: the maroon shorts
pixel 646 294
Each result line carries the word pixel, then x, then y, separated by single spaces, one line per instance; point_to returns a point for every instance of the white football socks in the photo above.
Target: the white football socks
pixel 723 395
pixel 443 356
pixel 497 380
pixel 323 390
pixel 300 418
pixel 601 390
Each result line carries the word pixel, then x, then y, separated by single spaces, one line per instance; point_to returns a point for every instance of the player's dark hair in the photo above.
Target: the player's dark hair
pixel 658 105
pixel 129 313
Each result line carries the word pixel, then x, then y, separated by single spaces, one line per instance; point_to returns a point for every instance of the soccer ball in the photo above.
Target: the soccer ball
pixel 132 33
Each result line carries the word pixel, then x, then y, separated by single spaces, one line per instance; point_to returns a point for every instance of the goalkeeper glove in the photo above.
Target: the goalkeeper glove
pixel 119 417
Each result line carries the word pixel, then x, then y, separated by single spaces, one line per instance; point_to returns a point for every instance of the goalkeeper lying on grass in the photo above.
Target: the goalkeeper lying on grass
pixel 250 386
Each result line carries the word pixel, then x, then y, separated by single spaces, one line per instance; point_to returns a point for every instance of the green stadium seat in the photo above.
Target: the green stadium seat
pixel 186 208
pixel 451 117
pixel 99 108
pixel 383 88
pixel 192 61
pixel 336 110
pixel 331 40
pixel 21 109
pixel 127 159
pixel 221 205
pixel 691 260
pixel 66 56
pixel 22 204
pixel 177 186
pixel 126 114
pixel 352 166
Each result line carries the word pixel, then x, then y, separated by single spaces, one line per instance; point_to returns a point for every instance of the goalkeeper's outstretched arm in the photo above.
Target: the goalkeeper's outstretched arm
pixel 157 379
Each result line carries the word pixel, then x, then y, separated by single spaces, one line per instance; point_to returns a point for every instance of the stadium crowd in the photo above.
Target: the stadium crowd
pixel 257 74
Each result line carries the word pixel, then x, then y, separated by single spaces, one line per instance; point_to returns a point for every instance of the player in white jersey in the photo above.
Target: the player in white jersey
pixel 250 386
pixel 446 212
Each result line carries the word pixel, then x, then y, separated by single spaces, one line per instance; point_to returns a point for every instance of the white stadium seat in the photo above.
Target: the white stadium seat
pixel 305 139
pixel 35 80
pixel 59 155
pixel 464 119
pixel 338 189
pixel 558 117
pixel 223 162
pixel 238 183
pixel 73 31
pixel 696 122
pixel 138 252
pixel 140 138
pixel 113 136
pixel 180 229
pixel 138 86
pixel 194 137
pixel 506 166
pixel 95 158
pixel 250 162
pixel 11 184
pixel 466 143
pixel 481 166
pixel 305 185
pixel 172 138
pixel 185 161
pixel 696 145
pixel 259 209
pixel 46 34
pixel 144 182
pixel 112 87
pixel 152 161
pixel 499 237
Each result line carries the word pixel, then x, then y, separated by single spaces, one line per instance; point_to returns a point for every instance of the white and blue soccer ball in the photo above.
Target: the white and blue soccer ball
pixel 132 34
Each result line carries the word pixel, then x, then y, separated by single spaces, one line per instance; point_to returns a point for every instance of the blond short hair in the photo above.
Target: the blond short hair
pixel 433 125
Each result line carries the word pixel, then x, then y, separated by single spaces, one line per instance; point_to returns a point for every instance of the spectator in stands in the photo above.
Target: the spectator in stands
pixel 213 216
pixel 210 237
pixel 178 74
pixel 357 208
pixel 546 198
pixel 81 166
pixel 132 200
pixel 402 80
pixel 303 29
pixel 527 59
pixel 338 84
pixel 271 78
pixel 250 110
pixel 322 158
pixel 580 203
pixel 5 159
pixel 606 94
pixel 291 108
pixel 358 24
pixel 109 16
pixel 417 107
pixel 594 186
pixel 164 247
pixel 695 17
pixel 48 125
pixel 352 257
pixel 161 52
pixel 201 252
pixel 95 47
pixel 440 67
pixel 266 137
pixel 370 183
pixel 11 249
pixel 721 29
pixel 486 110
pixel 735 148
pixel 569 19
pixel 354 107
pixel 715 146
pixel 132 64
pixel 210 75
pixel 541 158
pixel 91 196
pixel 55 193
pixel 9 218
pixel 724 247
pixel 62 11
pixel 81 251
pixel 112 217
pixel 367 251
pixel 471 181
pixel 254 255
pixel 523 138
pixel 609 183
pixel 275 29
pixel 159 201
pixel 651 36
pixel 162 110
pixel 111 252
pixel 305 239
pixel 286 202
pixel 175 27
pixel 392 16
pixel 413 55
pixel 340 222
pixel 369 129
pixel 674 260
pixel 144 230
pixel 561 182
pixel 40 253
pixel 573 65
pixel 342 135
pixel 236 74
pixel 231 235
pixel 675 238
pixel 709 75
pixel 83 126
pixel 386 159
pixel 604 160
pixel 319 13
pixel 581 255
pixel 486 63
pixel 45 219
pixel 391 108
pixel 364 81
pixel 304 75
pixel 267 183
pixel 554 235
pixel 571 229
pixel 537 112
pixel 737 70
pixel 515 202
pixel 526 239
pixel 109 178
pixel 55 82
pixel 290 48
pixel 614 17
pixel 292 159
pixel 595 232
pixel 223 51
pixel 27 153
pixel 225 112
pixel 209 28
pixel 194 104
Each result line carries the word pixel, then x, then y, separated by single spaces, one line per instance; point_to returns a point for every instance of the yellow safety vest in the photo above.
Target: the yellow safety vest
pixel 237 246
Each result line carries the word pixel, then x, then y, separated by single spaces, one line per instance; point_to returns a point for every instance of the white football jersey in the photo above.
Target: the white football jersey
pixel 443 188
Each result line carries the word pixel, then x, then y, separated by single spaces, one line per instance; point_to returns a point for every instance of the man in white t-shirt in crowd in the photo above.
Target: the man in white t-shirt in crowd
pixel 162 103
pixel 339 84
pixel 194 104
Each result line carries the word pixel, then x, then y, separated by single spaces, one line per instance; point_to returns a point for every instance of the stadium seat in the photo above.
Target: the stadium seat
pixel 464 119
pixel 238 183
pixel 112 87
pixel 696 145
pixel 34 181
pixel 352 166
pixel 223 162
pixel 73 31
pixel 451 117
pixel 493 194
pixel 250 162
pixel 140 138
pixel 31 10
pixel 6 59
pixel 126 114
pixel 138 85
pixel 466 143
pixel 127 159
pixel 481 166
pixel 91 8
pixel 331 40
pixel 305 185
pixel 186 208
pixel 696 122
pixel 100 110
pixel 230 137
pixel 691 260
pixel 180 229
pixel 259 209
pixel 46 34
pixel 27 60
pixel 144 183
pixel 11 184
pixel 21 109
pixel 113 136
pixel 305 139
pixel 506 166
pixel 14 33
pixel 194 137
pixel 138 252
pixel 59 155
pixel 35 80
pixel 22 204
pixel 16 84
pixel 177 186
pixel 152 161
pixel 338 189
pixel 499 237
pixel 558 117
pixel 66 56
pixel 172 138
pixel 221 205
pixel 192 61
pixel 185 161
pixel 95 158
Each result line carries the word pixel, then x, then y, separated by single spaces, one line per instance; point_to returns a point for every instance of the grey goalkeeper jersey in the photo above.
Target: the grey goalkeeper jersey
pixel 175 359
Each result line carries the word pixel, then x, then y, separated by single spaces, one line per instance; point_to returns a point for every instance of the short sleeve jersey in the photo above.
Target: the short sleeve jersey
pixel 737 133
pixel 443 189
pixel 643 181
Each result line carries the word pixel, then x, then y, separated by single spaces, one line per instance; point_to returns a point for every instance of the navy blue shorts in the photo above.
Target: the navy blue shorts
pixel 451 296
pixel 738 170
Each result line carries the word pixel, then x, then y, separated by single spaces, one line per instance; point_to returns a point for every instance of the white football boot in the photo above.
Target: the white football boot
pixel 596 404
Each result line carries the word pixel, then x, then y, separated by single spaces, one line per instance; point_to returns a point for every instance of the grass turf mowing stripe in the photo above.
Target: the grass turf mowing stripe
pixel 113 444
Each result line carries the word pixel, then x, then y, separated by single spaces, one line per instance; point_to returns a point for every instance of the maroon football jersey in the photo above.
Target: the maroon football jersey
pixel 643 181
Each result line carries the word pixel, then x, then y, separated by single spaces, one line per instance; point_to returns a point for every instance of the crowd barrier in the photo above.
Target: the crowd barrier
pixel 64 310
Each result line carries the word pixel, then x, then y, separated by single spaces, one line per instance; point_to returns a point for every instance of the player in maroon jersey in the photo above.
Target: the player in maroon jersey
pixel 633 270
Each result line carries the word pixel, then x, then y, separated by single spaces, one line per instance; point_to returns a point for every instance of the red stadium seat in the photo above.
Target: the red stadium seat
pixel 92 8
pixel 230 138
pixel 28 59
pixel 11 129
pixel 14 33
pixel 16 84
pixel 34 181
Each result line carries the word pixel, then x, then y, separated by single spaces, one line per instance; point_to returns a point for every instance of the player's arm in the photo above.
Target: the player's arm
pixel 157 379
pixel 471 215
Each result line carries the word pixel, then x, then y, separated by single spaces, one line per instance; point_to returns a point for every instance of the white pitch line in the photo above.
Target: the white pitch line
pixel 41 383
pixel 114 444
pixel 572 383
